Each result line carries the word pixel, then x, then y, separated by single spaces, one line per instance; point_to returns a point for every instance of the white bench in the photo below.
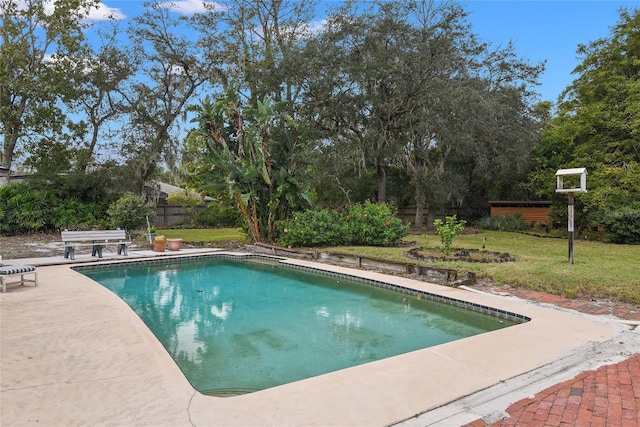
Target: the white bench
pixel 97 239
pixel 15 270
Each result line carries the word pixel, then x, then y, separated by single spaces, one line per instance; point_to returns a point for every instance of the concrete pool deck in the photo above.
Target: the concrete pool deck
pixel 73 353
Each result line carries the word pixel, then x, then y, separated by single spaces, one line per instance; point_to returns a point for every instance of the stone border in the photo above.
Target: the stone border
pixel 445 276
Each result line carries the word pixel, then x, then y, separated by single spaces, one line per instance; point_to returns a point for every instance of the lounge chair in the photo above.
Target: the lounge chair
pixel 14 270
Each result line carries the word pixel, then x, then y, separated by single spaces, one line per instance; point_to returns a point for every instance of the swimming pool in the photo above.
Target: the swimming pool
pixel 235 326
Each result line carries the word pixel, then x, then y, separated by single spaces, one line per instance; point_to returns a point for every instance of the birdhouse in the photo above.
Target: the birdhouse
pixel 571 180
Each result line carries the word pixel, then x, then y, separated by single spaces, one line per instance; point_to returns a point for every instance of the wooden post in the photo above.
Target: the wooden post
pixel 560 188
pixel 570 227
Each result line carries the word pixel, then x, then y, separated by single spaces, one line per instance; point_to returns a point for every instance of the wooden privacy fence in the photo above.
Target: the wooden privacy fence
pixel 172 215
pixel 408 215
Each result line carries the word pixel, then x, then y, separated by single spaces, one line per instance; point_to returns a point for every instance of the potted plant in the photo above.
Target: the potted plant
pixel 151 235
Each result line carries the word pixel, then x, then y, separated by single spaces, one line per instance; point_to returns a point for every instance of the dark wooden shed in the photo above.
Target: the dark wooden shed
pixel 531 212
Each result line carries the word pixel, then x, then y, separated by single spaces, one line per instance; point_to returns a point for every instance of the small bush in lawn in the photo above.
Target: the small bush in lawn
pixel 373 224
pixel 367 225
pixel 448 230
pixel 502 223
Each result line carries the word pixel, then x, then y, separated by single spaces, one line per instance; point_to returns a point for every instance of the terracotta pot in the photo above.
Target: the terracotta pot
pixel 174 244
pixel 159 243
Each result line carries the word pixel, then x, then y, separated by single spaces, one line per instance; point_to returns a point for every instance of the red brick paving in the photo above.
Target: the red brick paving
pixel 608 396
pixel 596 307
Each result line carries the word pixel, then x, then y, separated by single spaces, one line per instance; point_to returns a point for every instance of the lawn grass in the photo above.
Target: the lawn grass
pixel 204 235
pixel 600 270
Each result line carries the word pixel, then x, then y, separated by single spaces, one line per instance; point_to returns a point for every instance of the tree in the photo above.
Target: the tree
pixel 408 83
pixel 249 154
pixel 354 70
pixel 41 43
pixel 170 71
pixel 598 125
pixel 100 101
pixel 259 47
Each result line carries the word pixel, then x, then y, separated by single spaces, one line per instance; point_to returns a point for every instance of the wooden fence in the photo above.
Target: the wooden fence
pixel 173 215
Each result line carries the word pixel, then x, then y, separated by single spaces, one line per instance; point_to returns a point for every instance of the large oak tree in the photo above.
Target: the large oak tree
pixel 41 46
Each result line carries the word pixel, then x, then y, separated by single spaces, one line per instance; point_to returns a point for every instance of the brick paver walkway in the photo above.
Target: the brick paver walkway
pixel 608 396
pixel 605 308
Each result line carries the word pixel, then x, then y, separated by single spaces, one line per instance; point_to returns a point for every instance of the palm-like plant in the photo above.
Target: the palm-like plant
pixel 248 154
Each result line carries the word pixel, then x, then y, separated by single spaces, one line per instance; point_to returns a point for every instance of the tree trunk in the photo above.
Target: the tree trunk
pixel 382 181
pixel 431 216
pixel 420 199
pixel 6 157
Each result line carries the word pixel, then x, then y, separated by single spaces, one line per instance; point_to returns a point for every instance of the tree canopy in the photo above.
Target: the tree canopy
pixel 41 49
pixel 386 100
pixel 598 125
pixel 408 84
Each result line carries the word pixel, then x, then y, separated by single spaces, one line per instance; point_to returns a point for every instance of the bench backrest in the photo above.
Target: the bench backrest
pixel 84 236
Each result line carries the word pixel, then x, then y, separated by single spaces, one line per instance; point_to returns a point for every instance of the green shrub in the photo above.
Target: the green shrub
pixel 369 224
pixel 24 209
pixel 130 212
pixel 448 230
pixel 311 228
pixel 502 223
pixel 218 214
pixel 72 213
pixel 622 225
pixel 46 206
pixel 373 224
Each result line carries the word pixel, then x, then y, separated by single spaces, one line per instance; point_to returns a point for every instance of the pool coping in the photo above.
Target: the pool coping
pixel 74 353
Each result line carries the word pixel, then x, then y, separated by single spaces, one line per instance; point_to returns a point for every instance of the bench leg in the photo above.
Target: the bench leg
pixel 122 249
pixel 96 249
pixel 4 284
pixel 69 252
pixel 34 280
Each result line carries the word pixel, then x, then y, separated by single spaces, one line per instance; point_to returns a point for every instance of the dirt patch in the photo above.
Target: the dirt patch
pixel 37 246
pixel 49 245
pixel 31 246
pixel 461 255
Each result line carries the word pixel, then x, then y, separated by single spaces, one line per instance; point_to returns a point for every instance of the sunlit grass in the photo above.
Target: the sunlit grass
pixel 599 270
pixel 204 235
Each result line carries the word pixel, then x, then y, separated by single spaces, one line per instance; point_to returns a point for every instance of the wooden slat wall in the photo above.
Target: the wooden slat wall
pixel 170 215
pixel 538 215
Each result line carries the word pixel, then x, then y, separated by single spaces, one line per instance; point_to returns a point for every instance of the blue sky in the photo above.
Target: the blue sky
pixel 540 29
pixel 546 30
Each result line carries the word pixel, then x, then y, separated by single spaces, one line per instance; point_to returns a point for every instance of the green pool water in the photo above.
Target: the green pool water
pixel 239 326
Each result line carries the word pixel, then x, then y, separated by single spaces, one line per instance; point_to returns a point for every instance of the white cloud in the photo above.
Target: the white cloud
pixel 100 13
pixel 189 7
pixel 316 27
pixel 104 12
